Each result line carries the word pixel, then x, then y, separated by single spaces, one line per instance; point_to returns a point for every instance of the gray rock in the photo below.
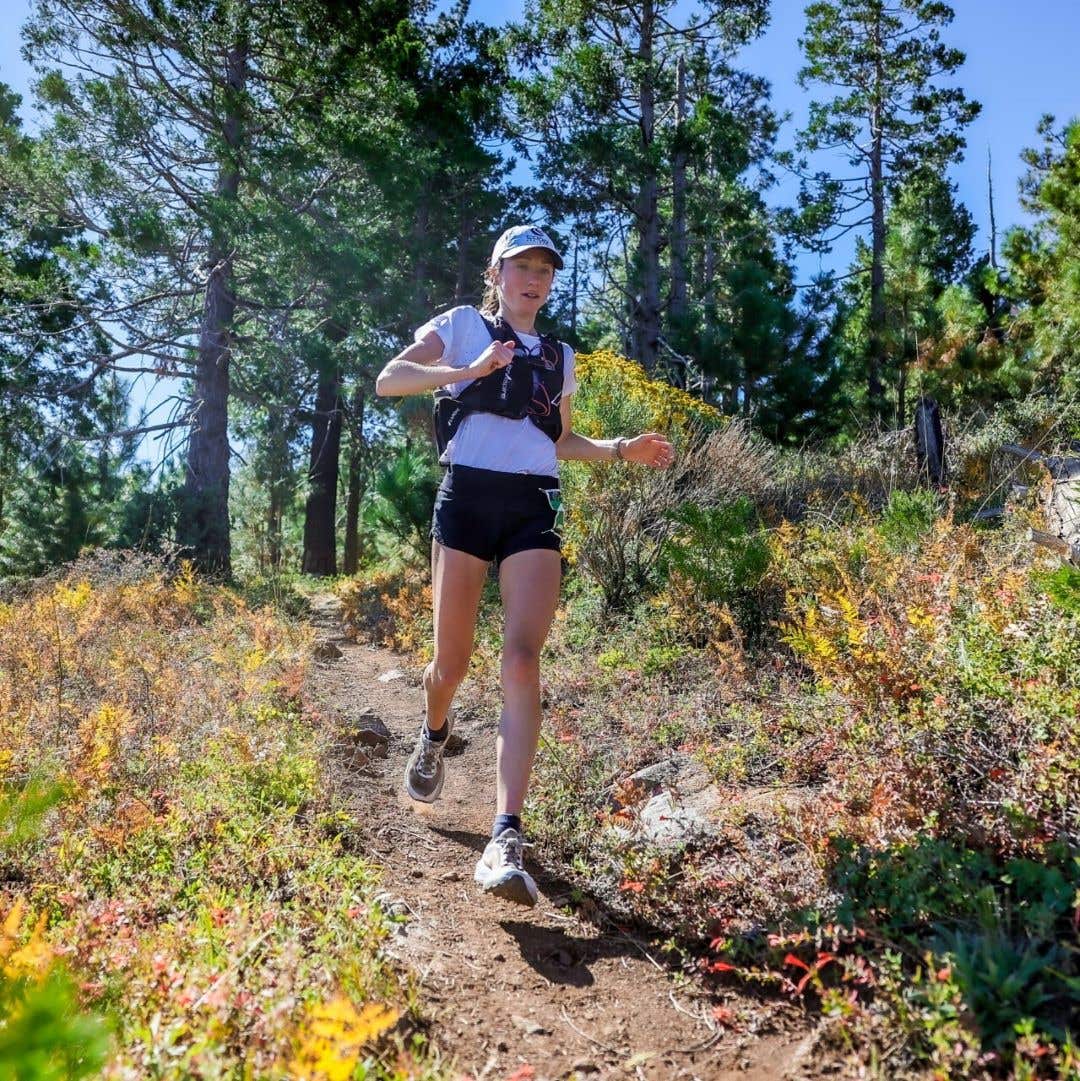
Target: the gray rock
pixel 679 773
pixel 668 821
pixel 370 732
pixel 682 808
pixel 325 650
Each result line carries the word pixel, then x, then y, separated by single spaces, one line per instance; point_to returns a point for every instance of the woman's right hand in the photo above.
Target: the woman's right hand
pixel 496 356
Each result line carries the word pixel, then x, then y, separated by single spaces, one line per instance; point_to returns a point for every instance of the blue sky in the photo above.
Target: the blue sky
pixel 1020 64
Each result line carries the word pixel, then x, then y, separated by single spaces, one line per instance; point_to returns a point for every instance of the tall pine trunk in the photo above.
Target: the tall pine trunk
pixel 902 372
pixel 320 549
pixel 5 459
pixel 679 273
pixel 876 345
pixel 277 485
pixel 204 520
pixel 355 482
pixel 645 329
pixel 274 516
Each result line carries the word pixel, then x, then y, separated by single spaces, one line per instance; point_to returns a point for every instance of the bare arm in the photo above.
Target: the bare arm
pixel 415 369
pixel 648 449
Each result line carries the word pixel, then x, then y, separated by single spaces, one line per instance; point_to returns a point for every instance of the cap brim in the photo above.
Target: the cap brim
pixel 529 247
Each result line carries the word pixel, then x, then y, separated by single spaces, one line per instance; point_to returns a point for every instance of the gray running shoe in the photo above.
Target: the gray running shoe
pixel 501 872
pixel 424 773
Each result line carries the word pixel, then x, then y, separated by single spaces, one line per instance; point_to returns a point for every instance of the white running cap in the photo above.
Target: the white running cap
pixel 521 237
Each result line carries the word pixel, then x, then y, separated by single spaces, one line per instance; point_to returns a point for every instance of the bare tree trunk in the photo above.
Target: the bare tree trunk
pixel 990 198
pixel 901 394
pixel 320 550
pixel 273 526
pixel 679 271
pixel 5 459
pixel 876 344
pixel 203 523
pixel 875 357
pixel 709 274
pixel 646 314
pixel 574 294
pixel 356 488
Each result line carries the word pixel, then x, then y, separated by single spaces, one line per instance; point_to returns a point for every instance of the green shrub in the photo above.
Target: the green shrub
pixel 403 499
pixel 43 1034
pixel 720 550
pixel 1062 587
pixel 907 518
pixel 1004 982
pixel 994 928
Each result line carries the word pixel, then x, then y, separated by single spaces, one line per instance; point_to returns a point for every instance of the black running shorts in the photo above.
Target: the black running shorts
pixel 491 515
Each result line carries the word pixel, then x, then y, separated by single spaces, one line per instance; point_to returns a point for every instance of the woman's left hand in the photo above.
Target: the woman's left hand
pixel 649 449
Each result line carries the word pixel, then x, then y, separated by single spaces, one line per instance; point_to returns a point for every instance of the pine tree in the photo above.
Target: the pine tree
pixel 891 118
pixel 1043 261
pixel 927 256
pixel 178 127
pixel 56 491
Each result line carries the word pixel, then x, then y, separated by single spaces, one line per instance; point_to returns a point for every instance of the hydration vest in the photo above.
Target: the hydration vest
pixel 529 386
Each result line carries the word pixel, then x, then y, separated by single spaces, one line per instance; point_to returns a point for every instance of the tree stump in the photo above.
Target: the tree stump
pixel 930 441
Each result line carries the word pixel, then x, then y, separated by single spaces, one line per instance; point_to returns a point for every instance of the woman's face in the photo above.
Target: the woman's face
pixel 525 280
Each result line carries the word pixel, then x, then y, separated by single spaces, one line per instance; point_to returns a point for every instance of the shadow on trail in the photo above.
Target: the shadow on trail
pixel 557 955
pixel 466 838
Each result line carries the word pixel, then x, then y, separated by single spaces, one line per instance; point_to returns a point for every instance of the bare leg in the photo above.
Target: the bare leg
pixel 457 581
pixel 529 582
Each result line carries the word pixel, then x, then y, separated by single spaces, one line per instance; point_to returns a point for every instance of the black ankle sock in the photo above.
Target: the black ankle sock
pixel 505 822
pixel 437 737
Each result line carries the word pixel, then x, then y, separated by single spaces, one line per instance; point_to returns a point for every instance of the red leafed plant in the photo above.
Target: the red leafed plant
pixel 811 970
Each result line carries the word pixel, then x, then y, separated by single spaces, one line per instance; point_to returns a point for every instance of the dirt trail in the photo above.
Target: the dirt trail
pixel 505 985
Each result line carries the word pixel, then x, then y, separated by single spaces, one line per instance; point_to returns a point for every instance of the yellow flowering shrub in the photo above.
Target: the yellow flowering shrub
pixel 333 1036
pixel 617 397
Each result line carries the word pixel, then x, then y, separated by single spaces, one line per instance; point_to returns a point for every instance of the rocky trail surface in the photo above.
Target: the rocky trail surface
pixel 552 992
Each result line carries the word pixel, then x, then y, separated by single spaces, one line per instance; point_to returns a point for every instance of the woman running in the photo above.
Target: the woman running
pixel 503 423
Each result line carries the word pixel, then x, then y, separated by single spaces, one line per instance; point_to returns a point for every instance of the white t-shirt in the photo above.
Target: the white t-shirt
pixel 484 440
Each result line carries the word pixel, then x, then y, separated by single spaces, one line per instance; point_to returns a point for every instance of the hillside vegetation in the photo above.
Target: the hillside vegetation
pixel 885 699
pixel 181 897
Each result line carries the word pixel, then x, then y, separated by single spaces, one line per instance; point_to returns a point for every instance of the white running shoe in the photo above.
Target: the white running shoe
pixel 424 772
pixel 500 870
